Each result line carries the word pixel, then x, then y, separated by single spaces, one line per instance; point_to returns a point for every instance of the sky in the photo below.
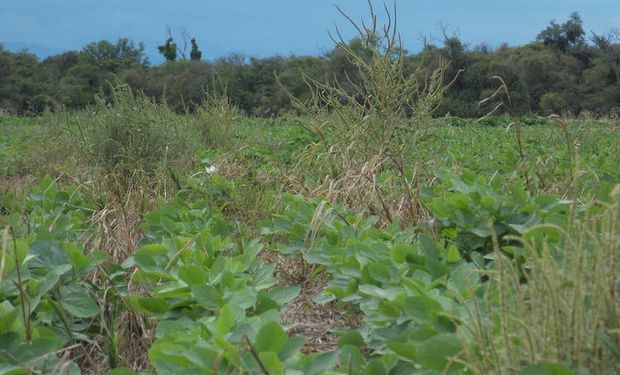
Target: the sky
pixel 262 28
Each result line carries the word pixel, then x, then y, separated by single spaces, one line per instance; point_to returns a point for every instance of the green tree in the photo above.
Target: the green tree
pixel 168 49
pixel 195 54
pixel 566 36
pixel 112 57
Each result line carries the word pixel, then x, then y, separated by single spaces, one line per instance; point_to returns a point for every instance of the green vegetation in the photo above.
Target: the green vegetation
pixel 358 236
pixel 457 283
pixel 563 70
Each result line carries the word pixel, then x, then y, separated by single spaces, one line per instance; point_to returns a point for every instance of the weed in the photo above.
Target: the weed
pixel 562 310
pixel 131 135
pixel 217 120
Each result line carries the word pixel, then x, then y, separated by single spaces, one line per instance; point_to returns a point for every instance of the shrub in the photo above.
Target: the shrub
pixel 370 118
pixel 216 120
pixel 130 133
pixel 553 102
pixel 373 119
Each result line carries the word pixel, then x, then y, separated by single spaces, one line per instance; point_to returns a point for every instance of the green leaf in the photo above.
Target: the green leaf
pixel 376 367
pixel 271 338
pixel 404 350
pixel 453 254
pixel 79 304
pixel 228 317
pixel 208 297
pixel 435 353
pixel 245 298
pixel 383 273
pixel 465 279
pixel 351 359
pixel 8 317
pixel 292 347
pixel 36 348
pixel 148 255
pixel 7 369
pixel 352 338
pixel 422 309
pixel 284 294
pixel 148 305
pixel 192 274
pixel 375 291
pixel 272 363
pixel 50 280
pixel 321 363
pixel 264 277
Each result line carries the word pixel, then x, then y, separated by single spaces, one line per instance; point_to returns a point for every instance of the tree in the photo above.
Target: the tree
pixel 112 57
pixel 195 54
pixel 563 37
pixel 168 49
pixel 610 51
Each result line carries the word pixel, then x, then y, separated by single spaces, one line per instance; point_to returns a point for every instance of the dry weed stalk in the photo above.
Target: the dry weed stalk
pixel 367 125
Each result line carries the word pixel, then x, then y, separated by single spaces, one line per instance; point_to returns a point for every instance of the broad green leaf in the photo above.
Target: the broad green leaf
pixel 352 338
pixel 7 369
pixel 192 274
pixel 321 363
pixel 292 347
pixel 453 254
pixel 37 348
pixel 271 338
pixel 52 277
pixel 375 291
pixel 245 298
pixel 404 350
pixel 228 317
pixel 79 304
pixel 435 353
pixel 376 367
pixel 383 273
pixel 272 363
pixel 8 317
pixel 351 359
pixel 284 294
pixel 422 309
pixel 148 305
pixel 208 297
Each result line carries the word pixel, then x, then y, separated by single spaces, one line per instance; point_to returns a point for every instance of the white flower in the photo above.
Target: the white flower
pixel 211 169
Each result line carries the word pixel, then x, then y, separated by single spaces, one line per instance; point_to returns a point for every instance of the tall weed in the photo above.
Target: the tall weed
pixel 372 125
pixel 128 133
pixel 216 119
pixel 559 310
pixel 375 118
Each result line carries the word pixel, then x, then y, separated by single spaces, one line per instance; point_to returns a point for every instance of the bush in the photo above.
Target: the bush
pixel 216 120
pixel 553 102
pixel 374 118
pixel 130 133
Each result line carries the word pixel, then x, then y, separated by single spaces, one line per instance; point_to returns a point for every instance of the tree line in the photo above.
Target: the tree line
pixel 563 70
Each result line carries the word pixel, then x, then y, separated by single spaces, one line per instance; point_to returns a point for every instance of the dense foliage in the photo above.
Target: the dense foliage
pixel 473 287
pixel 360 236
pixel 562 70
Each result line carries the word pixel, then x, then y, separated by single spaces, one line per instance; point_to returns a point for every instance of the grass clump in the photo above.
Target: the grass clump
pixel 560 310
pixel 216 119
pixel 127 133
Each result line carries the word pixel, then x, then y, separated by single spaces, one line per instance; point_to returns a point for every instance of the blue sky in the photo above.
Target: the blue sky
pixel 267 27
